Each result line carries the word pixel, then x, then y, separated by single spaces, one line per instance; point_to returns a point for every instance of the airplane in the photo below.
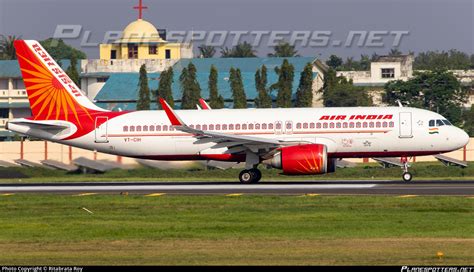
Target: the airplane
pixel 300 141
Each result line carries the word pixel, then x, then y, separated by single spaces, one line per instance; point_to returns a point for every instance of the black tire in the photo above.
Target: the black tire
pixel 246 176
pixel 257 175
pixel 407 177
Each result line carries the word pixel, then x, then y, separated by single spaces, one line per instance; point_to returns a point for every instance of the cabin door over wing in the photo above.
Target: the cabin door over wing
pixel 405 125
pixel 101 129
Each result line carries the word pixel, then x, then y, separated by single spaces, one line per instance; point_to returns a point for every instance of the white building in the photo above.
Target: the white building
pixel 387 68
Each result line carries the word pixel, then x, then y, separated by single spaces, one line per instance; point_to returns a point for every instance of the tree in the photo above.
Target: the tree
pixel 334 62
pixel 237 87
pixel 143 102
pixel 72 71
pixel 340 92
pixel 438 91
pixel 263 100
pixel 60 50
pixel 241 50
pixel 284 85
pixel 304 94
pixel 468 125
pixel 7 50
pixel 216 101
pixel 165 90
pixel 190 87
pixel 284 50
pixel 452 59
pixel 394 52
pixel 207 51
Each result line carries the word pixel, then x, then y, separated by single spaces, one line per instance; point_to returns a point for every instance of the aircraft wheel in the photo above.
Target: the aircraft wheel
pixel 246 176
pixel 257 175
pixel 406 176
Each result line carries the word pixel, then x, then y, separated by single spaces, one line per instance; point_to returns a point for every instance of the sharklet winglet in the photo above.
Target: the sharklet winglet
pixel 172 116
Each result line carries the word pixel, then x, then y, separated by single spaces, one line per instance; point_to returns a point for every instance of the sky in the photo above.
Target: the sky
pixel 429 24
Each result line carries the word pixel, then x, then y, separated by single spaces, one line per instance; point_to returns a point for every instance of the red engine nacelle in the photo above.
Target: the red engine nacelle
pixel 308 159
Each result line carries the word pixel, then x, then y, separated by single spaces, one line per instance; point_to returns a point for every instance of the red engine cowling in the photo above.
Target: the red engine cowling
pixel 308 159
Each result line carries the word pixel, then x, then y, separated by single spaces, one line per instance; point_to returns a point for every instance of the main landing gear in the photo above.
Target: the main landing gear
pixel 406 175
pixel 252 175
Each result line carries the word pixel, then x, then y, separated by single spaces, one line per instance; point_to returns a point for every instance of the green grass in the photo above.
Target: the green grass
pixel 367 171
pixel 133 229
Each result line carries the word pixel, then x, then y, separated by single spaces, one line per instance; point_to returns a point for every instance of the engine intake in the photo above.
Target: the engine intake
pixel 308 159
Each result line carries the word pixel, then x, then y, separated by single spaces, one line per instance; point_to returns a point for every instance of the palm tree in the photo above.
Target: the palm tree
pixel 284 50
pixel 207 51
pixel 7 50
pixel 241 50
pixel 394 52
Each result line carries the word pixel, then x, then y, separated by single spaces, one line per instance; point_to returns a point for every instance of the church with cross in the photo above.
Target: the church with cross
pixel 142 40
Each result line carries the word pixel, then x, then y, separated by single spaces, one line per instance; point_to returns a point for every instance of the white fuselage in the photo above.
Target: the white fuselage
pixel 352 132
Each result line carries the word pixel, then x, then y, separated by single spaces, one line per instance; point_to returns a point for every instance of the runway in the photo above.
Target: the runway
pixel 359 187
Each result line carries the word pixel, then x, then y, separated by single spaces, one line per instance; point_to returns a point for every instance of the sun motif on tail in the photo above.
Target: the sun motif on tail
pixel 48 98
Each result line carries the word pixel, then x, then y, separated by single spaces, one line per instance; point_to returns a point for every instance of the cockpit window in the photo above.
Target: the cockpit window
pixel 438 123
pixel 446 122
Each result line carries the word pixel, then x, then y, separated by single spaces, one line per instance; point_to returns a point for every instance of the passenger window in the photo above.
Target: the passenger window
pixel 311 125
pixel 264 126
pixel 270 126
pixel 318 125
pixel 325 125
pixel 344 125
pixel 204 127
pixel 338 125
pixel 125 128
pixel 132 128
pixel 224 127
pixel 211 127
pixel 158 128
pixel 165 128
pixel 331 125
pixel 145 128
pixel 298 125
pixel 237 126
pixel 218 127
pixel 139 128
pixel 257 126
pixel 231 126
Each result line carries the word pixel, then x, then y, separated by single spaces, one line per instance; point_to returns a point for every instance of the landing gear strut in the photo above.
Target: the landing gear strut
pixel 250 176
pixel 406 175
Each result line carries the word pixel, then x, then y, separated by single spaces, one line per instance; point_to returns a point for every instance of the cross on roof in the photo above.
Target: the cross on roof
pixel 140 7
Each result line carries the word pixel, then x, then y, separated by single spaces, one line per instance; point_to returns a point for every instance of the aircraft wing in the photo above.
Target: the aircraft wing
pixel 234 143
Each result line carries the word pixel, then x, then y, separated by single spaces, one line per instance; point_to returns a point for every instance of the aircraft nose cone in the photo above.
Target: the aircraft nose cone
pixel 464 138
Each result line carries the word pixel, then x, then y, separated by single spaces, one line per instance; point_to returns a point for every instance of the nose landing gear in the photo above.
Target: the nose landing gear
pixel 407 176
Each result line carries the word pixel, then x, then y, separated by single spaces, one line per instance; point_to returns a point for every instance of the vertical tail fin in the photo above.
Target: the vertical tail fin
pixel 52 94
